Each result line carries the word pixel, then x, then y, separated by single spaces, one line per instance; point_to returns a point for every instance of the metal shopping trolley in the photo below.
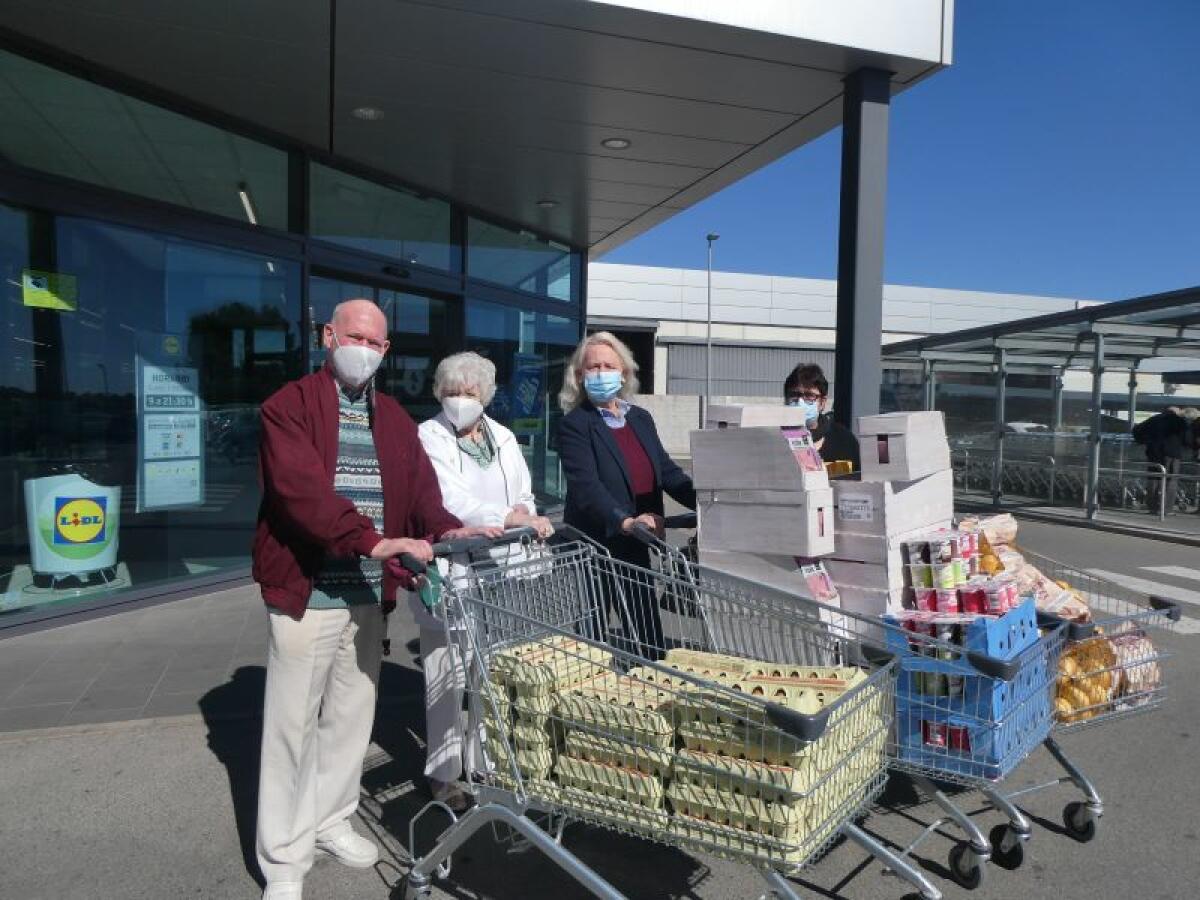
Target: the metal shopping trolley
pixel 973 698
pixel 1110 668
pixel 751 731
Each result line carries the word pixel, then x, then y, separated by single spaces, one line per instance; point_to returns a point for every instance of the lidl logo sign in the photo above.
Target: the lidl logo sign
pixel 80 520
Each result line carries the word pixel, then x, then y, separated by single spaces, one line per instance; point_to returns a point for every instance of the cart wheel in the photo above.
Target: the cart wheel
pixel 413 892
pixel 967 866
pixel 1008 850
pixel 1080 821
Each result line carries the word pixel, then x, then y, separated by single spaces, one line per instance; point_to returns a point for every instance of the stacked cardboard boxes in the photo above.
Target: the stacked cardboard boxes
pixel 907 489
pixel 761 489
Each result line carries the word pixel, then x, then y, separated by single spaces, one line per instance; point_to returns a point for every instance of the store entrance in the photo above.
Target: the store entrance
pixel 422 329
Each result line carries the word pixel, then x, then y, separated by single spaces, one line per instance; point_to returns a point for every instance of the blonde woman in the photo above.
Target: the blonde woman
pixel 616 468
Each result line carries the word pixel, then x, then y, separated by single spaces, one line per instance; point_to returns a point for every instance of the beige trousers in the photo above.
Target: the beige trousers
pixel 322 675
pixel 445 684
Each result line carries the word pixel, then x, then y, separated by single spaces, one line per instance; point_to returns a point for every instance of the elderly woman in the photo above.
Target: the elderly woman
pixel 485 482
pixel 616 470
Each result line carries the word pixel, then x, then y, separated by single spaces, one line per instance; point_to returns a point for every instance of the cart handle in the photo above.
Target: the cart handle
pixel 798 725
pixel 1167 606
pixel 642 533
pixel 467 545
pixel 1004 670
pixel 1076 631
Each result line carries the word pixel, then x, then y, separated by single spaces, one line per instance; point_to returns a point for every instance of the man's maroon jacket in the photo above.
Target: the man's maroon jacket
pixel 302 521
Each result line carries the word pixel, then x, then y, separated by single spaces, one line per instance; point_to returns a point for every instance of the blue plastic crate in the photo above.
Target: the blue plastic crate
pixel 1001 638
pixel 995 748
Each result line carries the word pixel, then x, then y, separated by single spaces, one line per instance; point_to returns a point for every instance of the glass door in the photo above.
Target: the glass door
pixel 422 330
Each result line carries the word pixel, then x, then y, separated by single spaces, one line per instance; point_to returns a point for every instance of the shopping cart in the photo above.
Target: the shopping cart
pixel 752 732
pixel 973 698
pixel 1109 669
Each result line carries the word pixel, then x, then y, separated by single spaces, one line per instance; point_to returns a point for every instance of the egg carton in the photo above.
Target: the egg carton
pixel 542 667
pixel 752 744
pixel 736 843
pixel 649 760
pixel 613 711
pixel 616 782
pixel 754 779
pixel 786 822
pixel 533 737
pixel 717 667
pixel 613 811
pixel 531 762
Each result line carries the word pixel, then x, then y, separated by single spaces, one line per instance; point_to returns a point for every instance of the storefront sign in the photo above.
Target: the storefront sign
pixel 49 290
pixel 170 441
pixel 525 394
pixel 73 524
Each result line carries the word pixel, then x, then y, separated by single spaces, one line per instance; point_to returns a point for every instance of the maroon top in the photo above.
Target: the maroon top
pixel 302 520
pixel 637 463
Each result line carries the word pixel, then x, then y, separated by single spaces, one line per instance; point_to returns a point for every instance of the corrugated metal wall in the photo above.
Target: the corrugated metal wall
pixel 739 371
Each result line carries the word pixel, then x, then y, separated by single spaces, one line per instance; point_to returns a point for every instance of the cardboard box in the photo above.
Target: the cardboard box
pixel 889 577
pixel 902 446
pixel 788 523
pixel 876 549
pixel 776 414
pixel 762 459
pixel 871 601
pixel 888 508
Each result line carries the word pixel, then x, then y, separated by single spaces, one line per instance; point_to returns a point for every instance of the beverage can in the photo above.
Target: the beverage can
pixel 933 734
pixel 973 597
pixel 958 738
pixel 963 570
pixel 941 551
pixel 997 597
pixel 947 601
pixel 945 575
pixel 920 575
pixel 926 598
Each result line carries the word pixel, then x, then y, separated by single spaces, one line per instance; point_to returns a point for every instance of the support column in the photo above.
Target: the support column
pixel 858 368
pixel 1093 483
pixel 1133 392
pixel 1001 366
pixel 928 385
pixel 1056 397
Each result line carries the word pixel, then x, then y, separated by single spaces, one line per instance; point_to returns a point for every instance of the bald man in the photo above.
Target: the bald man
pixel 346 486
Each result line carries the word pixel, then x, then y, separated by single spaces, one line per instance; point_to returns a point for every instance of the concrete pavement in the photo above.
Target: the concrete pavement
pixel 152 807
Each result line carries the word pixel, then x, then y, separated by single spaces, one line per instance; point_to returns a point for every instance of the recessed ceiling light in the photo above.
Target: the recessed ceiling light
pixel 367 113
pixel 547 204
pixel 616 143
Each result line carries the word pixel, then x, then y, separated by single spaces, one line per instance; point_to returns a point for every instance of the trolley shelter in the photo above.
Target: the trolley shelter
pixel 1126 336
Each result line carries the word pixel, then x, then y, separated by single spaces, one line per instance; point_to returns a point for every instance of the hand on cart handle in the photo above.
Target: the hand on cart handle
pixel 646 522
pixel 458 540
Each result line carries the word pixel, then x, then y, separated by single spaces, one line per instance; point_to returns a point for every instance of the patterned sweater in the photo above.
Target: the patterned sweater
pixel 346 582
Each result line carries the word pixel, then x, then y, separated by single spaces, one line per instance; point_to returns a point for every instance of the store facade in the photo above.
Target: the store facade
pixel 186 192
pixel 159 285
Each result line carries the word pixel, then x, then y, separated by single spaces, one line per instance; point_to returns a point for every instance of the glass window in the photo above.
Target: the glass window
pixel 66 126
pixel 401 224
pixel 530 351
pixel 421 331
pixel 130 385
pixel 520 259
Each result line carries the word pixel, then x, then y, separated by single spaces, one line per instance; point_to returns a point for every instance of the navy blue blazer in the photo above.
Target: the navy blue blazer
pixel 599 492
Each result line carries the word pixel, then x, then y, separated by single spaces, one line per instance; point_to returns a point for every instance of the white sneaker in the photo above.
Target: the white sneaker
pixel 283 890
pixel 348 847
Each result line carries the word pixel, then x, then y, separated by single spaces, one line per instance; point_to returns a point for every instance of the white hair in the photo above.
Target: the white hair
pixel 465 370
pixel 571 394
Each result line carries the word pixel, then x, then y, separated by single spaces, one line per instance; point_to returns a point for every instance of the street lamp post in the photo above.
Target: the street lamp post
pixel 711 238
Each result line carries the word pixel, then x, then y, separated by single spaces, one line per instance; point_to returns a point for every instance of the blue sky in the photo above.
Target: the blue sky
pixel 1059 155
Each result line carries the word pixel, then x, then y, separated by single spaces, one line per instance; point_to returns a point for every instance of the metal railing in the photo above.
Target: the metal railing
pixel 1139 486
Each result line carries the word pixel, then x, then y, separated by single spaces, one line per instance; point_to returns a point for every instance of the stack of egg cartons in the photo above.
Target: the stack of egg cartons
pixel 907 489
pixel 526 681
pixel 762 494
pixel 741 785
pixel 617 748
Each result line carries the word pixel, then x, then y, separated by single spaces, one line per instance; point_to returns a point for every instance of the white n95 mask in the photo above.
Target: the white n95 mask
pixel 463 412
pixel 353 364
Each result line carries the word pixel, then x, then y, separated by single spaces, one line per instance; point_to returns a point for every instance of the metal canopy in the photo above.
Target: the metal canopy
pixel 1160 325
pixel 588 122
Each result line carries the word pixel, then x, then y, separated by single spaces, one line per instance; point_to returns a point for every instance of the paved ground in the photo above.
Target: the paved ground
pixel 145 806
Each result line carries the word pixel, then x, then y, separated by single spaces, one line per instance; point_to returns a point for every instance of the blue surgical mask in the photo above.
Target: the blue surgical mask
pixel 812 408
pixel 602 386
